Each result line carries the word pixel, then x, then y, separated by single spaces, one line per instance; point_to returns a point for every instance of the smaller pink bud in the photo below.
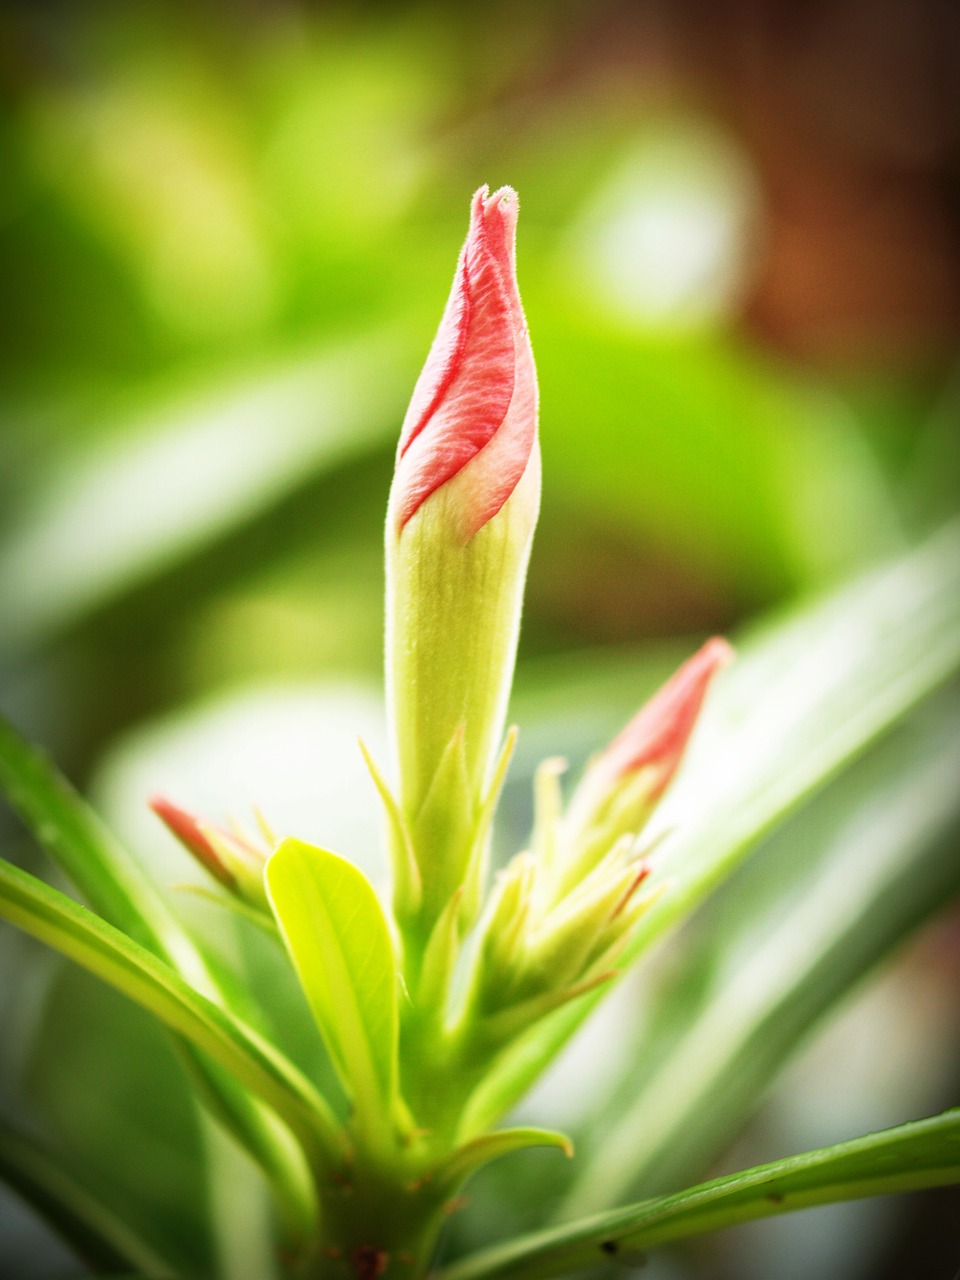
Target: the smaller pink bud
pixel 188 830
pixel 656 737
pixel 622 785
pixel 230 856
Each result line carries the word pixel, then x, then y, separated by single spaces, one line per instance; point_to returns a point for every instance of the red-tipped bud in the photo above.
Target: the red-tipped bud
pixel 230 856
pixel 187 829
pixel 463 507
pixel 474 408
pixel 655 739
pixel 622 785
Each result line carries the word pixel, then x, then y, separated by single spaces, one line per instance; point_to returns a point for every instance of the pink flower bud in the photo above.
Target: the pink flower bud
pixel 623 784
pixel 474 408
pixel 230 856
pixel 187 829
pixel 656 737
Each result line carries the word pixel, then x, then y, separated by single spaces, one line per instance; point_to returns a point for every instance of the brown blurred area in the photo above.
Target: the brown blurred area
pixel 850 112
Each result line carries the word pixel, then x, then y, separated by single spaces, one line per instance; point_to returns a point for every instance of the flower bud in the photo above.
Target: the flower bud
pixel 230 856
pixel 622 785
pixel 534 955
pixel 463 506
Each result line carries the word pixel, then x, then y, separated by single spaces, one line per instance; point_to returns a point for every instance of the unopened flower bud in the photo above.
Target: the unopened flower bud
pixel 622 785
pixel 462 511
pixel 231 856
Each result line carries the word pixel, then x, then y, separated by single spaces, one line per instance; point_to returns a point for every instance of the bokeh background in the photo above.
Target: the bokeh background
pixel 226 235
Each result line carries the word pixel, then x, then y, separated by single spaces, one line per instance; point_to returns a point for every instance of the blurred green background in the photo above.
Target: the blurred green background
pixel 226 235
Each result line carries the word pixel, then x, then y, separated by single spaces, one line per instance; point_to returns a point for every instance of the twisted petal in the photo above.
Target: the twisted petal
pixel 474 406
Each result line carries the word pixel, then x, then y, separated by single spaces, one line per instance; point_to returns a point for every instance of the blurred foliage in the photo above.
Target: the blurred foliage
pixel 226 232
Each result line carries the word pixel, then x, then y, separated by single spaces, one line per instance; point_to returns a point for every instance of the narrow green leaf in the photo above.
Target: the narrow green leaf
pixel 90 1228
pixel 78 841
pixel 335 930
pixel 491 1146
pixel 805 698
pixel 77 933
pixel 925 1153
pixel 262 1136
pixel 118 889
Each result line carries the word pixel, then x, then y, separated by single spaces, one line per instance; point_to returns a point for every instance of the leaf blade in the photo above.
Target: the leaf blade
pixel 925 1153
pixel 339 942
pixel 83 937
pixel 118 889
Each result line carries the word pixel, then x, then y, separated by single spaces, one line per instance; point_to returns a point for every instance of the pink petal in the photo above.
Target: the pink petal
pixel 659 732
pixel 186 828
pixel 479 383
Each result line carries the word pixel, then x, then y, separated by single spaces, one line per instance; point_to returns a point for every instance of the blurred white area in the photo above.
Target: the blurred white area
pixel 291 751
pixel 670 239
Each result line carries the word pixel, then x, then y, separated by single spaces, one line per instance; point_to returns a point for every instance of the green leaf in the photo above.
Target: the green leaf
pixel 74 836
pixel 805 698
pixel 87 1225
pixel 925 1153
pixel 335 930
pixel 77 933
pixel 467 1159
pixel 118 889
pixel 791 934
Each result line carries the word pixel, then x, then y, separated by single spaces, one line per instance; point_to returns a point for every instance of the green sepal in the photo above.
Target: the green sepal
pixel 501 1028
pixel 439 962
pixel 504 927
pixel 476 872
pixel 547 812
pixel 407 883
pixel 443 830
pixel 561 949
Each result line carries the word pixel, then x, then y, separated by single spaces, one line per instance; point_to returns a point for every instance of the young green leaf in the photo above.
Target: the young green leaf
pixel 77 933
pixel 335 930
pixel 925 1153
